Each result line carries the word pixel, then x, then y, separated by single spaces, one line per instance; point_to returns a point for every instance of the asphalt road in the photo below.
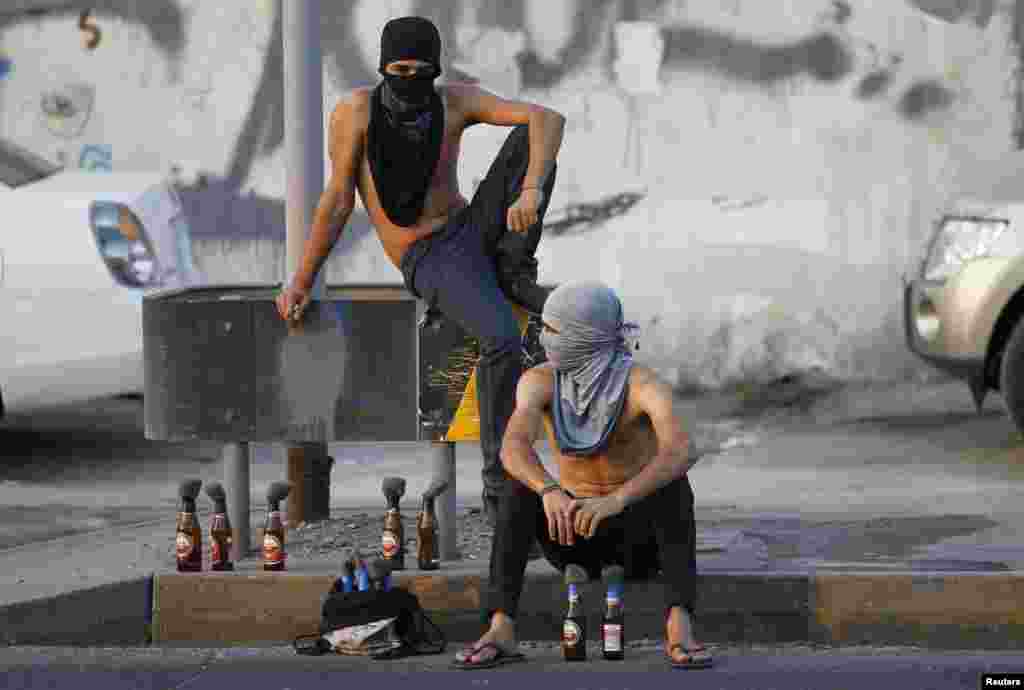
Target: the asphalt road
pixel 761 668
pixel 914 471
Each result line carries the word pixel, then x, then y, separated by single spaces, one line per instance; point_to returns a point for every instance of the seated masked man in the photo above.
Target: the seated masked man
pixel 622 455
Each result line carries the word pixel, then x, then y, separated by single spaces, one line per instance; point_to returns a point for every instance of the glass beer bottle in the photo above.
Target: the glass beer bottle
pixel 612 626
pixel 426 547
pixel 574 629
pixel 220 543
pixel 273 542
pixel 188 539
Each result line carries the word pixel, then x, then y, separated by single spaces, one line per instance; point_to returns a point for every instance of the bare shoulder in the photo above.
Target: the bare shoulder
pixel 642 376
pixel 352 113
pixel 460 98
pixel 650 392
pixel 536 387
pixel 457 92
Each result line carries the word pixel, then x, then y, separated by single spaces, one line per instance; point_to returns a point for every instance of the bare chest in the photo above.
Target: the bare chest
pixel 631 447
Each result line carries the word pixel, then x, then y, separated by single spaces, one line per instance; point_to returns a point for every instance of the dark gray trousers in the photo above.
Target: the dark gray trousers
pixel 466 270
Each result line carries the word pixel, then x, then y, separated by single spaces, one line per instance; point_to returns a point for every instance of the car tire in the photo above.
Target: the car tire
pixel 1011 375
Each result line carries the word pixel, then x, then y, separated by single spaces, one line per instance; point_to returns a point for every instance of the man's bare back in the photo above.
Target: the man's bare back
pixel 443 195
pixel 631 446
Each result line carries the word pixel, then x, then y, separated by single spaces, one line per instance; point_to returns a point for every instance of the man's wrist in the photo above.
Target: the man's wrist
pixel 548 487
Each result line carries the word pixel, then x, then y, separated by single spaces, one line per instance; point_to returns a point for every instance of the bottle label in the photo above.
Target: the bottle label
pixel 272 551
pixel 570 633
pixel 389 544
pixel 184 546
pixel 218 552
pixel 613 637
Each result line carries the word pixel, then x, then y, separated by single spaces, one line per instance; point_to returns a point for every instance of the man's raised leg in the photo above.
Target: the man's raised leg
pixel 458 279
pixel 513 253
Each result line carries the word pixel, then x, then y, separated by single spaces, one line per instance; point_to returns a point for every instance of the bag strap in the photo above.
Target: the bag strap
pixel 423 645
pixel 415 642
pixel 311 645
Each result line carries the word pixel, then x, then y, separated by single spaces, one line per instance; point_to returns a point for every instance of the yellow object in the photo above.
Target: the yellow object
pixel 465 424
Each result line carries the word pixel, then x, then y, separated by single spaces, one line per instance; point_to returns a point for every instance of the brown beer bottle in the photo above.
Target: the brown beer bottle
pixel 426 547
pixel 273 532
pixel 188 538
pixel 220 530
pixel 273 542
pixel 392 540
pixel 574 629
pixel 220 543
pixel 613 626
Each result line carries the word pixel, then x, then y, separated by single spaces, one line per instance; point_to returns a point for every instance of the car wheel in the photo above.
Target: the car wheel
pixel 1011 375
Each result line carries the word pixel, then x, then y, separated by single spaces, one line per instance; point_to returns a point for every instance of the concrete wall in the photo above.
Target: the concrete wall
pixel 752 177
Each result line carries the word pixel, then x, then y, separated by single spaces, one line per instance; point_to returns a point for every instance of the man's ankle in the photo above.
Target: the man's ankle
pixel 502 621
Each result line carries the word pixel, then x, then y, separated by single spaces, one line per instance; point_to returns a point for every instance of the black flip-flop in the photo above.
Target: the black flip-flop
pixel 690 662
pixel 503 656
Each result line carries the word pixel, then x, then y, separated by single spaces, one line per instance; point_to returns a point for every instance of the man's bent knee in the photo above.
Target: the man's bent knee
pixel 504 343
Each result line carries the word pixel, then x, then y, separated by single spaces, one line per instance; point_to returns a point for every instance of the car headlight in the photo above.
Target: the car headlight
pixel 123 244
pixel 961 239
pixel 926 318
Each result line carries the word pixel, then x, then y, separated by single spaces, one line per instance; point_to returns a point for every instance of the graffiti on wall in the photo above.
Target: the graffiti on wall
pixel 163 20
pixel 66 109
pixel 6 66
pixel 96 158
pixel 91 32
pixel 955 11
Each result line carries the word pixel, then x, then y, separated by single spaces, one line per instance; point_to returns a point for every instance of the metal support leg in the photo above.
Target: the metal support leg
pixel 444 469
pixel 236 485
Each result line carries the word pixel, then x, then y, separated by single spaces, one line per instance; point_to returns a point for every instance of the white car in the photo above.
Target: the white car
pixel 77 250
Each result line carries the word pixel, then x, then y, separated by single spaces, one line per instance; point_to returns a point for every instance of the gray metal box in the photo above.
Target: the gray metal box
pixel 220 365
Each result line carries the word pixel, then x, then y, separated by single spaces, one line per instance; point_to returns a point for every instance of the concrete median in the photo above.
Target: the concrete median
pixel 253 608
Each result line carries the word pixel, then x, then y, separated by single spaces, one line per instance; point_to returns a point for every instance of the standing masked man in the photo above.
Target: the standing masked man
pixel 398 144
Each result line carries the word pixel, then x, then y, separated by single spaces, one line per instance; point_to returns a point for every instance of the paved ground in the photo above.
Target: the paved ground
pixel 903 478
pixel 764 668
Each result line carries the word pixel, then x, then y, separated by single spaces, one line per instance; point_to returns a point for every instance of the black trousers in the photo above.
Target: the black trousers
pixel 656 533
pixel 465 270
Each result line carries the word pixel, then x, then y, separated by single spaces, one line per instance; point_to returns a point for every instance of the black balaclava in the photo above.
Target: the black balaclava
pixel 406 120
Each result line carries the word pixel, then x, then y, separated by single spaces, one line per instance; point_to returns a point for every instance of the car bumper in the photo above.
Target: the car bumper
pixel 968 367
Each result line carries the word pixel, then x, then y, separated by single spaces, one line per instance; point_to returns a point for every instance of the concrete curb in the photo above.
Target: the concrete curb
pixel 941 611
pixel 117 614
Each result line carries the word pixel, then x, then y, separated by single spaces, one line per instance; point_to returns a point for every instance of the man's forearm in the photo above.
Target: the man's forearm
pixel 545 130
pixel 662 470
pixel 326 230
pixel 523 464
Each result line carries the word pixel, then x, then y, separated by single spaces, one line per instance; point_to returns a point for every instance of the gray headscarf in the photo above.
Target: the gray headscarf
pixel 592 359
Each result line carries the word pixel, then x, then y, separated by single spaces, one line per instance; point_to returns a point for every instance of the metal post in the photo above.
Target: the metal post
pixel 236 484
pixel 303 141
pixel 444 469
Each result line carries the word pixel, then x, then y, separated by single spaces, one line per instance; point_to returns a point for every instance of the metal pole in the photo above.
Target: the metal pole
pixel 303 141
pixel 236 484
pixel 444 469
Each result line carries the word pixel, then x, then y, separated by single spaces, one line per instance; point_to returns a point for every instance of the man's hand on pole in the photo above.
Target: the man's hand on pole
pixel 524 212
pixel 292 303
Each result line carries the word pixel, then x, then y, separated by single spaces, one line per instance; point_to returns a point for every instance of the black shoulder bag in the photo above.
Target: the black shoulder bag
pixel 411 632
